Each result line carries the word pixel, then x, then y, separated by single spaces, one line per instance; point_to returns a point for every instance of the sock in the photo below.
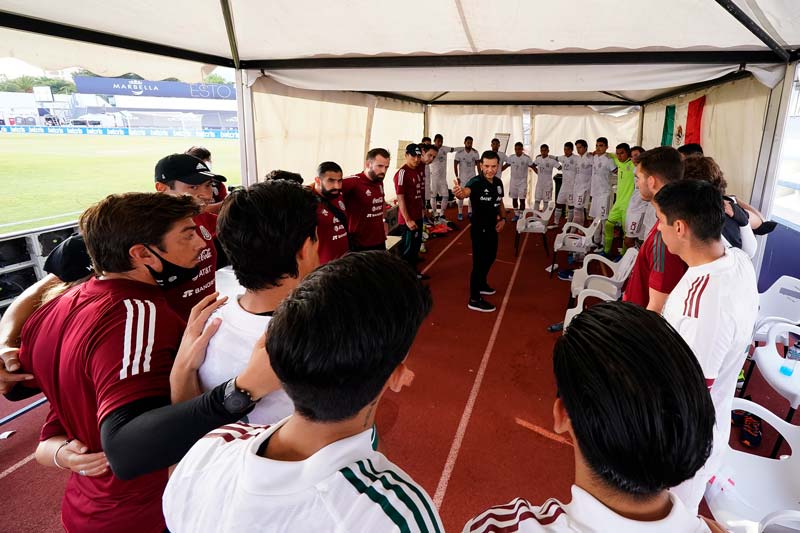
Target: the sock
pixel 609 236
pixel 570 214
pixel 557 215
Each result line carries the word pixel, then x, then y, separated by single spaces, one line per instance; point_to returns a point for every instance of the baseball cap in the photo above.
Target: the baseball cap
pixel 186 168
pixel 413 149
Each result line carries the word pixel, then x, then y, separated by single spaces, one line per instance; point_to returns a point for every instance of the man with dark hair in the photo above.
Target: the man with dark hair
pixel 566 194
pixel 102 353
pixel 218 187
pixel 363 195
pixel 625 184
pixel 429 152
pixel 331 212
pixel 657 270
pixel 714 306
pixel 425 140
pixel 637 207
pixel 543 165
pixel 408 184
pixel 465 166
pixel 583 181
pixel 485 192
pixel 284 175
pixel 438 168
pixel 691 150
pixel 269 231
pixel 520 163
pixel 317 470
pixel 631 442
pixel 495 147
pixel 602 168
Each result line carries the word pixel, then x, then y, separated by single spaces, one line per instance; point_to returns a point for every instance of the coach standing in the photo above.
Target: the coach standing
pixel 363 197
pixel 485 192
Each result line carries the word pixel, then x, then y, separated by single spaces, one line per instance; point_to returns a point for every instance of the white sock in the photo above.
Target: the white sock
pixel 557 215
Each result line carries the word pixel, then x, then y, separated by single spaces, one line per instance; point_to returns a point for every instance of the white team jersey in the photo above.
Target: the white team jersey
pixel 569 165
pixel 466 165
pixel 583 514
pixel 602 167
pixel 227 356
pixel 223 485
pixel 714 308
pixel 438 166
pixel 545 166
pixel 650 218
pixel 583 178
pixel 519 166
pixel 503 159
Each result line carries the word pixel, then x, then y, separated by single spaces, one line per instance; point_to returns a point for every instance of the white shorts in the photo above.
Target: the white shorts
pixel 599 208
pixel 580 194
pixel 518 188
pixel 634 217
pixel 566 195
pixel 438 188
pixel 544 189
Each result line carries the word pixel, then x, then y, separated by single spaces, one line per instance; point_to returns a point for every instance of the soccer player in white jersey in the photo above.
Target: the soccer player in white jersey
pixel 428 154
pixel 466 167
pixel 566 196
pixel 438 169
pixel 543 165
pixel 269 233
pixel 634 217
pixel 317 470
pixel 495 147
pixel 714 306
pixel 519 162
pixel 602 168
pixel 632 399
pixel 583 181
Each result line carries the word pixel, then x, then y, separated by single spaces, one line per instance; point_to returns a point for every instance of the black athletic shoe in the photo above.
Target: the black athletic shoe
pixel 766 227
pixel 553 328
pixel 488 291
pixel 481 305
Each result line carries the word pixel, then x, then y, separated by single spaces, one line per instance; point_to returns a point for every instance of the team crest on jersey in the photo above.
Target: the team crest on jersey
pixel 206 234
pixel 324 212
pixel 341 205
pixel 369 192
pixel 499 189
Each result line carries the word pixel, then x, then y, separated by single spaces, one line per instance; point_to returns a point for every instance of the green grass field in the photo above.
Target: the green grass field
pixel 51 178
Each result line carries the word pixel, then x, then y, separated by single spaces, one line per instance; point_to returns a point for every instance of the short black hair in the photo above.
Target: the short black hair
pixel 624 146
pixel 334 342
pixel 698 203
pixel 284 175
pixel 637 147
pixel 263 227
pixel 468 138
pixel 691 149
pixel 328 166
pixel 200 152
pixel 375 152
pixel 569 145
pixel 544 146
pixel 438 136
pixel 426 140
pixel 518 144
pixel 490 154
pixel 495 140
pixel 425 147
pixel 664 162
pixel 602 140
pixel 636 397
pixel 581 142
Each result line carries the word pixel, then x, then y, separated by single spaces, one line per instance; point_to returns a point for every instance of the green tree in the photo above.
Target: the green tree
pixel 216 78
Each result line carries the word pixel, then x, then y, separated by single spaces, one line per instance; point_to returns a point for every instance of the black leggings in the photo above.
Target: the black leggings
pixel 484 252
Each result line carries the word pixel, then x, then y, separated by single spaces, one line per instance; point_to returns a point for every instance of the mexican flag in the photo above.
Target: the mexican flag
pixel 682 123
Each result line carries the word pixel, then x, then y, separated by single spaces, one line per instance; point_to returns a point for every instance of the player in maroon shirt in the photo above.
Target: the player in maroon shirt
pixel 409 184
pixel 331 213
pixel 656 271
pixel 365 201
pixel 102 354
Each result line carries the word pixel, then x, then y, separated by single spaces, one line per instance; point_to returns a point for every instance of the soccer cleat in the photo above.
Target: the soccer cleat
pixel 516 217
pixel 553 328
pixel 565 275
pixel 481 305
pixel 751 432
pixel 422 248
pixel 737 415
pixel 488 291
pixel 740 380
pixel 460 216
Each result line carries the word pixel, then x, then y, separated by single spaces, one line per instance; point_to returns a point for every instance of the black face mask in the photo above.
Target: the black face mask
pixel 171 275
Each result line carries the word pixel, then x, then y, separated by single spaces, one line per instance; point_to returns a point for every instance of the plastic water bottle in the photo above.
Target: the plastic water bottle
pixel 792 356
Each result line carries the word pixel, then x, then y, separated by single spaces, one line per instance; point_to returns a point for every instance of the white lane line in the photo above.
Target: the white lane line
pixel 11 469
pixel 455 447
pixel 19 222
pixel 445 249
pixel 544 432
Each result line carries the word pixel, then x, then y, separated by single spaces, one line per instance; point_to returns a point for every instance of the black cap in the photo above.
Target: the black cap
pixel 186 168
pixel 413 149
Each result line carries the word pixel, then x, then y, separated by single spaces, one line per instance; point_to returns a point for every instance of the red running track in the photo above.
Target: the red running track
pixel 505 447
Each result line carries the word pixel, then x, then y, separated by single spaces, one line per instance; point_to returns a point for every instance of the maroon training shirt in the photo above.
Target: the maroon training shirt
pixel 410 183
pixel 98 347
pixel 655 268
pixel 331 231
pixel 365 206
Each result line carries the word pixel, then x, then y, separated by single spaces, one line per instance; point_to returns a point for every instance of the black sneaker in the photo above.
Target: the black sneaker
pixel 481 305
pixel 488 291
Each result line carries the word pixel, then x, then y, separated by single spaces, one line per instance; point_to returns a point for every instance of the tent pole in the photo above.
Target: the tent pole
pixel 769 156
pixel 640 136
pixel 737 13
pixel 426 125
pixel 370 119
pixel 247 137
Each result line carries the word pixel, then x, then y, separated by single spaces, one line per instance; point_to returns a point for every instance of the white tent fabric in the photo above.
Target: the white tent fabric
pixel 733 124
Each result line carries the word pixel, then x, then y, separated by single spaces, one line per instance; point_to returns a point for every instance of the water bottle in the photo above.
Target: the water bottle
pixel 792 356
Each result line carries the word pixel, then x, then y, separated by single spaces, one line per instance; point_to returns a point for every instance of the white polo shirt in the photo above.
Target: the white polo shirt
pixel 545 166
pixel 714 307
pixel 583 177
pixel 223 485
pixel 519 166
pixel 569 165
pixel 583 514
pixel 503 159
pixel 602 167
pixel 438 166
pixel 466 165
pixel 227 356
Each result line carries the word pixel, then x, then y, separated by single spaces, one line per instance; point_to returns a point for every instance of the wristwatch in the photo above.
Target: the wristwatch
pixel 236 400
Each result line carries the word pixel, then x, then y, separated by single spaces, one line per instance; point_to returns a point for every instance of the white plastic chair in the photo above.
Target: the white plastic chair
pixel 580 242
pixel 751 493
pixel 778 304
pixel 611 285
pixel 769 363
pixel 586 293
pixel 534 221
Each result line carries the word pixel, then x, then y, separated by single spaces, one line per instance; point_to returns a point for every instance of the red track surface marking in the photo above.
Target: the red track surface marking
pixel 17 466
pixel 543 432
pixel 440 254
pixel 441 489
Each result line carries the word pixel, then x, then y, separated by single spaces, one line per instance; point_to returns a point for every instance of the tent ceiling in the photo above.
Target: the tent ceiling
pixel 368 34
